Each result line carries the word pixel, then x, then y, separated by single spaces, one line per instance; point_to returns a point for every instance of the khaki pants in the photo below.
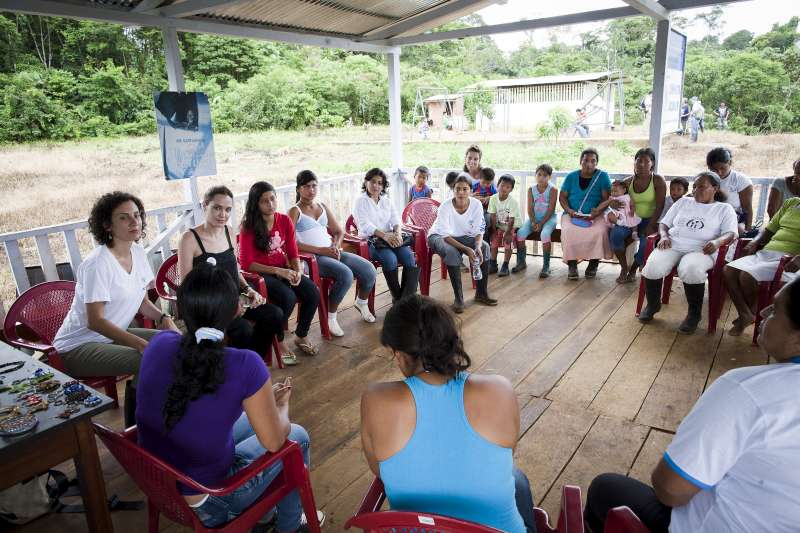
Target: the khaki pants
pixel 106 359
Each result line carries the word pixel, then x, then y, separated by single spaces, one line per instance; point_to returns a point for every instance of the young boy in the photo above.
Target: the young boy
pixel 678 187
pixel 483 190
pixel 420 188
pixel 505 220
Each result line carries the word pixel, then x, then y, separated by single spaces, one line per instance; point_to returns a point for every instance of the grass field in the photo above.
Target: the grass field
pixel 49 183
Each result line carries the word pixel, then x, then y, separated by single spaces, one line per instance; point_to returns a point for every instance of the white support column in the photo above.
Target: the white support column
pixel 396 129
pixel 659 75
pixel 172 58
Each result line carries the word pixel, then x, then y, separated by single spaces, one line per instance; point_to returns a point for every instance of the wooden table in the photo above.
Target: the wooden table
pixel 54 441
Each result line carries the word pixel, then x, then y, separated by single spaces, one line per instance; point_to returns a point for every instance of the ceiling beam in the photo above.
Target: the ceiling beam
pixel 429 18
pixel 550 22
pixel 146 5
pixel 651 8
pixel 193 25
pixel 193 7
pixel 672 5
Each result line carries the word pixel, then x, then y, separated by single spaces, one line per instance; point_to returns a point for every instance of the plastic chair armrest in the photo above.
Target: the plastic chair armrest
pixel 313 268
pixel 373 499
pixel 251 277
pixel 19 342
pixel 254 468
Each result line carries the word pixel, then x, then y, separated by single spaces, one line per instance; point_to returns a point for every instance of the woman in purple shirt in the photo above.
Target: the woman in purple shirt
pixel 193 385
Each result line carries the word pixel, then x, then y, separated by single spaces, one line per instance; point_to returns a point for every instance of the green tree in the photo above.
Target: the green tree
pixel 738 41
pixel 220 59
pixel 782 36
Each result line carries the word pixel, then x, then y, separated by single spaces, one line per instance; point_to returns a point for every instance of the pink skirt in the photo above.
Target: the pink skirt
pixel 585 243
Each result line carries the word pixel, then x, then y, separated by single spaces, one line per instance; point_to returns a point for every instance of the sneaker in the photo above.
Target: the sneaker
pixel 334 327
pixel 366 314
pixel 519 267
pixel 304 522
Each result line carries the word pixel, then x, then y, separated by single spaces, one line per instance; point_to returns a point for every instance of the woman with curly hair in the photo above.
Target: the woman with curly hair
pixel 431 438
pixel 267 246
pixel 112 281
pixel 194 385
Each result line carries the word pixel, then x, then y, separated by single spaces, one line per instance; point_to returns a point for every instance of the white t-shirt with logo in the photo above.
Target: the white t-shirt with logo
pixel 692 224
pixel 740 444
pixel 449 223
pixel 735 183
pixel 102 279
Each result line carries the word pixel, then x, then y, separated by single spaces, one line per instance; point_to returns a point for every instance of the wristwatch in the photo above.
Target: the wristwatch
pixel 162 317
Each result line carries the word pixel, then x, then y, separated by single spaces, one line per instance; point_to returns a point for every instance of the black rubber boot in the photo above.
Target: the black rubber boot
pixel 591 270
pixel 454 273
pixel 573 270
pixel 653 293
pixel 521 260
pixel 129 409
pixel 492 266
pixel 410 281
pixel 694 297
pixel 482 287
pixel 393 281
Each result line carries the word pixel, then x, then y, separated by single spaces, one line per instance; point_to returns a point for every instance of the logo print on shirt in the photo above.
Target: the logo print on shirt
pixel 276 244
pixel 695 224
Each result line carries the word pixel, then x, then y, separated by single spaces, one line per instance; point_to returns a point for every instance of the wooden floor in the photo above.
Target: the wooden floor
pixel 598 391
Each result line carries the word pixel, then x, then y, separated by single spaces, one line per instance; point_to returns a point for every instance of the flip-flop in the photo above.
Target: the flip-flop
pixel 289 359
pixel 307 348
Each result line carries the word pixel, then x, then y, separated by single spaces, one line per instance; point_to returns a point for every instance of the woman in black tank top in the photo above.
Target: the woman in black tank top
pixel 211 243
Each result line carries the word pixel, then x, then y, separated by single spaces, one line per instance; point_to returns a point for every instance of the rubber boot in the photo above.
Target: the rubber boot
pixel 482 287
pixel 521 260
pixel 129 409
pixel 393 282
pixel 591 269
pixel 694 297
pixel 652 288
pixel 503 272
pixel 573 270
pixel 454 273
pixel 545 266
pixel 410 281
pixel 492 266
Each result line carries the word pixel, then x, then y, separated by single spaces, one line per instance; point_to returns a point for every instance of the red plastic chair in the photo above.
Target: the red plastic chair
pixel 421 213
pixel 158 481
pixel 371 519
pixel 420 250
pixel 168 278
pixel 716 288
pixel 41 310
pixel 261 287
pixel 623 520
pixel 766 293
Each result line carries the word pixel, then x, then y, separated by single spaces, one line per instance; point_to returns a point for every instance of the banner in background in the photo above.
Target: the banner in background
pixel 673 82
pixel 184 130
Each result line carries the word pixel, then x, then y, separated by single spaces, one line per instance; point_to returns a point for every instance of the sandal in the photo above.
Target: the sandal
pixel 306 347
pixel 288 359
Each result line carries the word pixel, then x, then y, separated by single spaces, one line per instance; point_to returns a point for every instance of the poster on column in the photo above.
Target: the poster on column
pixel 673 82
pixel 184 130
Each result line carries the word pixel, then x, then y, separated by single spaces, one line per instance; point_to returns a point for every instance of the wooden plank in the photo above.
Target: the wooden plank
pixel 735 352
pixel 345 505
pixel 581 383
pixel 17 266
pixel 548 446
pixel 651 452
pixel 557 362
pixel 530 413
pixel 338 472
pixel 46 257
pixel 610 446
pixel 73 251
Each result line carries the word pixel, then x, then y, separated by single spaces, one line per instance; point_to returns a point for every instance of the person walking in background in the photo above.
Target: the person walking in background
pixel 723 113
pixel 685 112
pixel 697 115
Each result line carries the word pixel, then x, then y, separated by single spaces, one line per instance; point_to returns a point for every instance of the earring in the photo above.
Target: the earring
pixel 110 236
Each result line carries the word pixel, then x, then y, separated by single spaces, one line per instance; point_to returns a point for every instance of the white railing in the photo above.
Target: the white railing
pixel 72 240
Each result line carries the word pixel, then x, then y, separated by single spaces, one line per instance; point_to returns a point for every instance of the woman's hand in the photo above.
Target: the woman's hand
pixel 472 254
pixel 596 212
pixel 255 298
pixel 282 392
pixel 330 251
pixel 394 239
pixel 292 276
pixel 710 247
pixel 750 248
pixel 536 227
pixel 571 212
pixel 665 243
pixel 168 323
pixel 141 344
pixel 612 218
pixel 652 227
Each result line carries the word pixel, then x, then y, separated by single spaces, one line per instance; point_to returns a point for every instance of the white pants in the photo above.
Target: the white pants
pixel 692 266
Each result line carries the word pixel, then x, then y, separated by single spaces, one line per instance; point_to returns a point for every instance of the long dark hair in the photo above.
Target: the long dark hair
pixel 207 297
pixel 424 329
pixel 252 220
pixel 303 177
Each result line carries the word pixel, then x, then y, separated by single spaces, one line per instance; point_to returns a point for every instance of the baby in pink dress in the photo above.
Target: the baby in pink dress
pixel 624 215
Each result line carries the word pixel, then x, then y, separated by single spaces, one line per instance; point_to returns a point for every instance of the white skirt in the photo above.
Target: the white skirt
pixel 762 265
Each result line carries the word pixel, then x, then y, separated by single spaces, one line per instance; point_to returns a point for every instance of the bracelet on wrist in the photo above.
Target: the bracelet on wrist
pixel 162 317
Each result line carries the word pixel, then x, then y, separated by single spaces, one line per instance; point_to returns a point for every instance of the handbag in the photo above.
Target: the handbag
pixel 582 222
pixel 378 242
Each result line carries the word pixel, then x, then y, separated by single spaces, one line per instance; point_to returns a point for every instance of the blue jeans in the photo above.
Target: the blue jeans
pixel 390 257
pixel 547 230
pixel 342 272
pixel 524 499
pixel 217 510
pixel 618 234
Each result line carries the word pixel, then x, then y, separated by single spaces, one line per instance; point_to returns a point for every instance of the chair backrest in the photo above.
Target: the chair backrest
pixel 421 212
pixel 153 476
pixel 41 309
pixel 168 278
pixel 411 522
pixel 350 227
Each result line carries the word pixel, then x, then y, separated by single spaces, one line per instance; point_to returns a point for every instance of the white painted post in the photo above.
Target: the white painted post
pixel 659 75
pixel 172 58
pixel 398 192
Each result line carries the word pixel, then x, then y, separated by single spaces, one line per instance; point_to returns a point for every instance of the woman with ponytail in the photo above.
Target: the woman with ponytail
pixel 431 438
pixel 193 385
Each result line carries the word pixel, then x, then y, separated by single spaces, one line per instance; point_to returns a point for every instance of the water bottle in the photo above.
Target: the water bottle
pixel 476 269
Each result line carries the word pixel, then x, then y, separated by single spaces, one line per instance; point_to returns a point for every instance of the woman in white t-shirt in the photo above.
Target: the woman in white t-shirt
pixel 691 233
pixel 458 229
pixel 112 281
pixel 733 463
pixel 737 187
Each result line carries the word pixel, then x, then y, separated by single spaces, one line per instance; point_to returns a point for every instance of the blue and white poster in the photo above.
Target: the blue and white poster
pixel 184 130
pixel 673 82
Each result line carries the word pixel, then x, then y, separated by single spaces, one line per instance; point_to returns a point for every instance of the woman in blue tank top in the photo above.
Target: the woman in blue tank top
pixel 431 439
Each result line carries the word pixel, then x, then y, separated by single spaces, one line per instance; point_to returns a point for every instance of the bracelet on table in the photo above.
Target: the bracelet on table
pixel 5 368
